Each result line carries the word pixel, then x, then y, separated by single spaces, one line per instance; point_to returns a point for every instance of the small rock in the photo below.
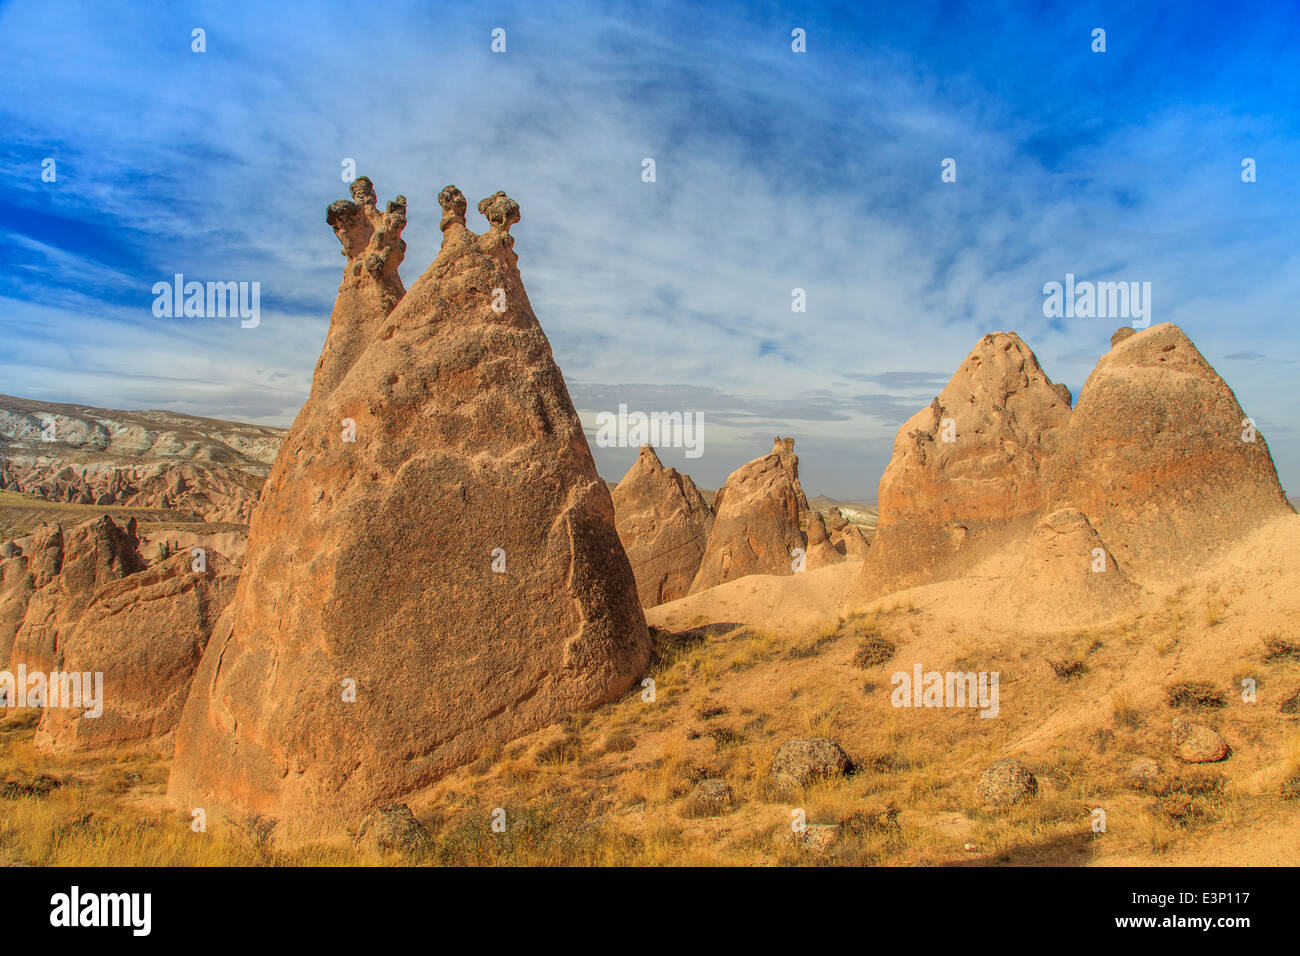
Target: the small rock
pixel 392 827
pixel 800 763
pixel 813 838
pixel 1122 333
pixel 1007 782
pixel 710 798
pixel 1143 773
pixel 1196 743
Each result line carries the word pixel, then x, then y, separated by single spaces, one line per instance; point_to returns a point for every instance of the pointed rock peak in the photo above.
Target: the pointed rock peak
pixel 1163 346
pixel 816 529
pixel 782 446
pixel 372 241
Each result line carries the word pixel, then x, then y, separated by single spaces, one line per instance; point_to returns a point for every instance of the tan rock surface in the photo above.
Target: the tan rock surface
pixel 1154 455
pixel 65 569
pixel 756 523
pixel 664 523
pixel 145 633
pixel 945 505
pixel 820 552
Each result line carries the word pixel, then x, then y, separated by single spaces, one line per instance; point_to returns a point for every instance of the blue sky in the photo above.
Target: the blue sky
pixel 775 171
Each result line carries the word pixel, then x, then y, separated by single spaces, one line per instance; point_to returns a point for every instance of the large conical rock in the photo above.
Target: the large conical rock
pixel 663 522
pixel 1154 455
pixel 756 523
pixel 433 541
pixel 966 473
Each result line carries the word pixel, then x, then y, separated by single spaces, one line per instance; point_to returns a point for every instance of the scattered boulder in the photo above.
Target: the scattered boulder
pixel 965 478
pixel 1154 456
pixel 814 838
pixel 801 763
pixel 1143 774
pixel 756 524
pixel 1007 782
pixel 663 522
pixel 1196 743
pixel 835 521
pixel 391 828
pixel 433 568
pixel 710 798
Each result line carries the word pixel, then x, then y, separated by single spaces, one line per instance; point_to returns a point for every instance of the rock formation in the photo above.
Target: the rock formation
pixel 145 633
pixel 1154 456
pixel 851 542
pixel 819 552
pixel 663 522
pixel 433 567
pixel 83 601
pixel 1067 567
pixel 756 523
pixel 64 571
pixel 965 477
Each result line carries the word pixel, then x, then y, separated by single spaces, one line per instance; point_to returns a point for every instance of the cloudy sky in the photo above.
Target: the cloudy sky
pixel 775 170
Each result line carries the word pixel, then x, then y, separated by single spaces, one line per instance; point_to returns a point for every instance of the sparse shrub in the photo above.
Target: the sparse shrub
pixel 1278 649
pixel 1069 668
pixel 20 783
pixel 618 742
pixel 1290 789
pixel 814 647
pixel 708 710
pixel 860 822
pixel 874 649
pixel 1126 715
pixel 724 737
pixel 1213 612
pixel 559 751
pixel 1196 694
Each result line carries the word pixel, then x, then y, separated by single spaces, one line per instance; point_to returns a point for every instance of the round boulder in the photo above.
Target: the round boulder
pixel 800 763
pixel 1007 782
pixel 1196 743
pixel 710 798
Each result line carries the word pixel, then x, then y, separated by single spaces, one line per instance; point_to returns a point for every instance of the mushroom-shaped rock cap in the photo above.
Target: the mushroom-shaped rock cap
pixel 500 210
pixel 366 234
pixel 453 204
